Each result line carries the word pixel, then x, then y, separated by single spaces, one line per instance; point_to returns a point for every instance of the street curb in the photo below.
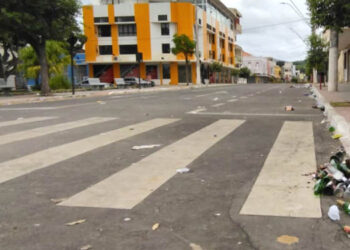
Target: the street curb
pixel 102 93
pixel 337 121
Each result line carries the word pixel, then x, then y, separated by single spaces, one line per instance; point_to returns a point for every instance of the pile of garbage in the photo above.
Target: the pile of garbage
pixel 333 178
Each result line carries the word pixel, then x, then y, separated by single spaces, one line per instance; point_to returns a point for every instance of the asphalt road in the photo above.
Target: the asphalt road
pixel 73 160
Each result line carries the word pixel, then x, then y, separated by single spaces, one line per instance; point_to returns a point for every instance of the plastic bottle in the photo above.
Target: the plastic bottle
pixel 344 205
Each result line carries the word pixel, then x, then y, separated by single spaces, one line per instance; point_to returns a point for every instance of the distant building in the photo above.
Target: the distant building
pixel 288 71
pixel 118 31
pixel 262 67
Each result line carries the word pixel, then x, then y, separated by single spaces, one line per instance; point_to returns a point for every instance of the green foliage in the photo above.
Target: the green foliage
pixel 59 82
pixel 235 72
pixel 184 45
pixel 36 21
pixel 244 72
pixel 295 79
pixel 216 67
pixel 317 54
pixel 300 65
pixel 56 54
pixel 331 14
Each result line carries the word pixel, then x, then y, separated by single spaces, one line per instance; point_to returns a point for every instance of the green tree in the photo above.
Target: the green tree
pixel 37 21
pixel 57 57
pixel 215 67
pixel 244 72
pixel 333 15
pixel 184 45
pixel 316 55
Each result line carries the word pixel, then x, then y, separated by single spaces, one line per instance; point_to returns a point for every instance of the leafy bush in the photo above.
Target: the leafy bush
pixel 59 82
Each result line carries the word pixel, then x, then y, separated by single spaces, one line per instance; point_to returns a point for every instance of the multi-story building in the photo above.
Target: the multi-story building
pixel 262 67
pixel 117 32
pixel 288 71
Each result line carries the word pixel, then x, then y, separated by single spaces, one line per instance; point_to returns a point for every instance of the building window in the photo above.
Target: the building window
pixel 101 19
pixel 104 30
pixel 151 72
pixel 127 29
pixel 127 49
pixel 166 48
pixel 166 71
pixel 105 49
pixel 162 18
pixel 200 21
pixel 165 29
pixel 121 19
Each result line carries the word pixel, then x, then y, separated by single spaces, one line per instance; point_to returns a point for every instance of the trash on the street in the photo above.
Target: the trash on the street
pixel 155 226
pixel 347 229
pixel 323 121
pixel 87 247
pixel 344 205
pixel 336 136
pixel 195 247
pixel 288 240
pixel 146 146
pixel 183 170
pixel 75 222
pixel 127 219
pixel 58 200
pixel 215 99
pixel 289 108
pixel 331 129
pixel 333 213
pixel 101 102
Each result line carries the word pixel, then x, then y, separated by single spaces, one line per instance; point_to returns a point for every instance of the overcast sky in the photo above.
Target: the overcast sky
pixel 281 41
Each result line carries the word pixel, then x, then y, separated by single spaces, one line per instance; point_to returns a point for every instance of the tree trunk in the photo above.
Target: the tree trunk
pixel 44 69
pixel 187 80
pixel 314 75
pixel 333 61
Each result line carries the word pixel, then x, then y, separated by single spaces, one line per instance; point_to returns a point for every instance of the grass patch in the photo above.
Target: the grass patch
pixel 340 104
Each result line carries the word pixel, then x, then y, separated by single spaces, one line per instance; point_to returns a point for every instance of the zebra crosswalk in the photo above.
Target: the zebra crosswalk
pixel 128 187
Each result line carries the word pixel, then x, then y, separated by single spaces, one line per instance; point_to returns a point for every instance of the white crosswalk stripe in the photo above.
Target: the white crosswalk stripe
pixel 133 184
pixel 41 131
pixel 24 120
pixel 26 164
pixel 281 189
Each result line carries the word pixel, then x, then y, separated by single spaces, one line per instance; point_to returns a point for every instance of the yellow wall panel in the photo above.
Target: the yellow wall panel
pixel 194 73
pixel 89 30
pixel 143 30
pixel 174 73
pixel 114 30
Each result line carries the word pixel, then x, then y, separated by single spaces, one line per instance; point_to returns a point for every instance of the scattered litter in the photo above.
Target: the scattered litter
pixel 131 129
pixel 127 219
pixel 289 108
pixel 333 213
pixel 299 100
pixel 336 136
pixel 155 226
pixel 215 99
pixel 347 229
pixel 58 200
pixel 110 93
pixel 75 222
pixel 37 225
pixel 195 246
pixel 288 240
pixel 101 102
pixel 280 91
pixel 345 206
pixel 217 214
pixel 331 129
pixel 146 146
pixel 87 247
pixel 323 121
pixel 183 170
pixel 20 118
pixel 239 243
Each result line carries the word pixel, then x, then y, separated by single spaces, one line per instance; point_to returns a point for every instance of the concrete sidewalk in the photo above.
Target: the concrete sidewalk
pixel 339 117
pixel 12 100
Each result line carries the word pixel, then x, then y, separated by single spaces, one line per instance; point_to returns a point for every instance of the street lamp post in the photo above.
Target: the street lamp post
pixel 198 73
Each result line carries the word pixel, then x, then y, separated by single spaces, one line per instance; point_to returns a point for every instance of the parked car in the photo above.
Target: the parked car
pixel 93 83
pixel 134 81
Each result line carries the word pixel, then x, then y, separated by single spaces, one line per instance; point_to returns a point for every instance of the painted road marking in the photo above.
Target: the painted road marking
pixel 254 114
pixel 218 105
pixel 196 111
pixel 24 165
pixel 24 120
pixel 132 185
pixel 41 131
pixel 281 189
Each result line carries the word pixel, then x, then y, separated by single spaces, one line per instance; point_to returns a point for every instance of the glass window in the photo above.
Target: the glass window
pixel 104 30
pixel 101 19
pixel 162 18
pixel 151 72
pixel 121 19
pixel 166 48
pixel 166 71
pixel 165 29
pixel 127 29
pixel 105 49
pixel 127 49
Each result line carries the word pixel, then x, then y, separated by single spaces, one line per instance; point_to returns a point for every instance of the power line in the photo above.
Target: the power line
pixel 272 25
pixel 298 10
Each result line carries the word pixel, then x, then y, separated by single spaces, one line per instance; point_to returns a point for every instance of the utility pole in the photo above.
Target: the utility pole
pixel 196 27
